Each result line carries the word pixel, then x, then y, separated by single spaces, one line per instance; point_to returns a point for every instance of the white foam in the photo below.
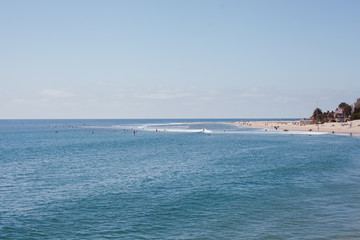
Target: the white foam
pixel 185 127
pixel 179 130
pixel 305 133
pixel 159 124
pixel 262 131
pixel 289 132
pixel 293 132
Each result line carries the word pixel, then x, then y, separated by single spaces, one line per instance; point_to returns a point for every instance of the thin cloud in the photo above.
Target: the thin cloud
pixel 254 92
pixel 104 84
pixel 20 101
pixel 164 94
pixel 56 93
pixel 286 99
pixel 209 95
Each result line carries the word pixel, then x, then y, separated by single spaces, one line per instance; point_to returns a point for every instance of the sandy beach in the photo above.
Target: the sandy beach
pixel 351 128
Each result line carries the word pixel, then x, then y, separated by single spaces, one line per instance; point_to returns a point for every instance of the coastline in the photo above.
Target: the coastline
pixel 350 128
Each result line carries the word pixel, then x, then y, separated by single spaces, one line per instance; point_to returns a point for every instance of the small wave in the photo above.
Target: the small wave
pixel 97 127
pixel 261 131
pixel 179 130
pixel 305 133
pixel 159 124
pixel 291 132
pixel 179 127
pixel 294 132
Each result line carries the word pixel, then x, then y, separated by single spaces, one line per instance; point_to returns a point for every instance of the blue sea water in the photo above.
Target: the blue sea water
pixel 175 179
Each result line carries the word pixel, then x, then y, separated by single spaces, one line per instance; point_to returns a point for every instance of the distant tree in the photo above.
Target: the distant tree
pixel 348 111
pixel 332 118
pixel 328 116
pixel 357 104
pixel 346 108
pixel 356 114
pixel 317 115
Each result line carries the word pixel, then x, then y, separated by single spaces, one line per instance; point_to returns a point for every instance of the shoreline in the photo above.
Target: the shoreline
pixel 350 128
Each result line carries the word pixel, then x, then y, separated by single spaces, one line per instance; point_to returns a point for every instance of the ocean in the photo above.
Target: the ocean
pixel 175 179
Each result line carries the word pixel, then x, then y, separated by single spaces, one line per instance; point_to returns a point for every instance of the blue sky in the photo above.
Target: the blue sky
pixel 177 59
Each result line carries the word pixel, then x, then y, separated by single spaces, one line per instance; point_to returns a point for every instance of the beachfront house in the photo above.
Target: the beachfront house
pixel 339 115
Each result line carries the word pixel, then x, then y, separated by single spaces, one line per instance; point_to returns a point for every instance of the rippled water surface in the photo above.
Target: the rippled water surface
pixel 175 179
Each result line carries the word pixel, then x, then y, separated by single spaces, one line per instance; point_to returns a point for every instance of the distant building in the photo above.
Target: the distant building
pixel 339 115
